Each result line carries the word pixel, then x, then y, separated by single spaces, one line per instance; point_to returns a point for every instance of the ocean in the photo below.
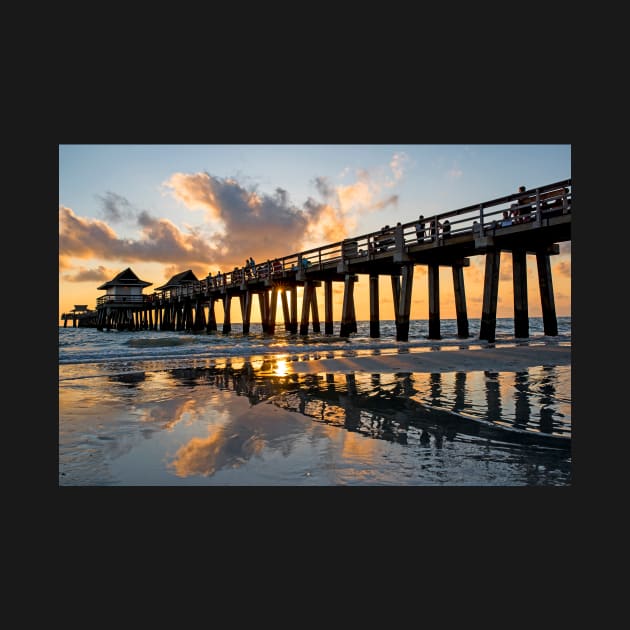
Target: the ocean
pixel 151 408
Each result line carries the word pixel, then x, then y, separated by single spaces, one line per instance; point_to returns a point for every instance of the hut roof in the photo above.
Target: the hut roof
pixel 125 278
pixel 185 277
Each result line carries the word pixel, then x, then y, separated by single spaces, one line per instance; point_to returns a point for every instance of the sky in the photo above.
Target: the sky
pixel 164 209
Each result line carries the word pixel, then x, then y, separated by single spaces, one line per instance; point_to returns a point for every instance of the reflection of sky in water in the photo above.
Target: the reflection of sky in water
pixel 257 423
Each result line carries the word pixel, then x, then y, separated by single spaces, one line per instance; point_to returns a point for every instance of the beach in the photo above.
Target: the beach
pixel 314 412
pixel 502 358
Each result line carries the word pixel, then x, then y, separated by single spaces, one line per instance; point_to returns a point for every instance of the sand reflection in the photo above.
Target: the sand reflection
pixel 263 429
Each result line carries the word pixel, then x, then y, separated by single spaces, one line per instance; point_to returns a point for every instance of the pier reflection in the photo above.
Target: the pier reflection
pixel 516 407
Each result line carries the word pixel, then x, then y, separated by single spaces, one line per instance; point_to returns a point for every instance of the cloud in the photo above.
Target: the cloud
pixel 160 241
pixel 397 164
pixel 252 223
pixel 64 263
pixel 100 274
pixel 241 221
pixel 116 208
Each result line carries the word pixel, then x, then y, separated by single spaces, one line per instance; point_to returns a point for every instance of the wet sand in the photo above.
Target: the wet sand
pixel 180 427
pixel 459 360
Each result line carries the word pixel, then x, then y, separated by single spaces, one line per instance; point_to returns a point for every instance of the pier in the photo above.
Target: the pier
pixel 81 317
pixel 540 219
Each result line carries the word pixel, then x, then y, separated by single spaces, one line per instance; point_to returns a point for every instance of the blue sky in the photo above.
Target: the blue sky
pixel 436 177
pixel 164 208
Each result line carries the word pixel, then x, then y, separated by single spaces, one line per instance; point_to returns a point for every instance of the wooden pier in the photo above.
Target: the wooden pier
pixel 541 218
pixel 81 317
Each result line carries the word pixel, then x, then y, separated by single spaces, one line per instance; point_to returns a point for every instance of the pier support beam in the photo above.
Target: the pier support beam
pixel 227 324
pixel 294 310
pixel 328 307
pixel 246 310
pixel 375 322
pixel 285 310
pixel 263 303
pixel 179 317
pixel 550 323
pixel 315 311
pixel 460 302
pixel 403 308
pixel 212 320
pixel 273 307
pixel 306 306
pixel 200 316
pixel 519 279
pixel 434 301
pixel 348 323
pixel 488 326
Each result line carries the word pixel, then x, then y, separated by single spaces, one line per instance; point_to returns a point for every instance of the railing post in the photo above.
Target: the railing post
pixel 538 209
pixel 481 225
pixel 399 238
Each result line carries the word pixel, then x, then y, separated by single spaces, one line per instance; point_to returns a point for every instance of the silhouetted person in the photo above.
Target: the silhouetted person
pixel 446 229
pixel 420 229
pixel 435 226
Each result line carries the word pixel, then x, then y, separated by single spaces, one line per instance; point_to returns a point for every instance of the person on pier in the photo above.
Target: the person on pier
pixel 420 229
pixel 446 229
pixel 435 226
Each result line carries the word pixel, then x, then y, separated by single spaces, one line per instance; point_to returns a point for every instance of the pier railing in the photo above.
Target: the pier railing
pixel 132 300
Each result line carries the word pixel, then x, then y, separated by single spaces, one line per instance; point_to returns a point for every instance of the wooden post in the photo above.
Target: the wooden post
pixel 460 302
pixel 375 321
pixel 273 306
pixel 434 301
pixel 519 279
pixel 396 298
pixel 227 324
pixel 315 311
pixel 353 315
pixel 402 330
pixel 246 310
pixel 347 309
pixel 263 302
pixel 187 315
pixel 285 310
pixel 328 307
pixel 545 282
pixel 294 309
pixel 212 319
pixel 488 326
pixel 306 304
pixel 200 316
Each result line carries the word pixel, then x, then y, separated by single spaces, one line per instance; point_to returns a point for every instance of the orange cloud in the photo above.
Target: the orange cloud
pixel 82 274
pixel 160 241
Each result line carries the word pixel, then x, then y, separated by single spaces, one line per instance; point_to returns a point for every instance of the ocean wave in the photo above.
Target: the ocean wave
pixel 158 342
